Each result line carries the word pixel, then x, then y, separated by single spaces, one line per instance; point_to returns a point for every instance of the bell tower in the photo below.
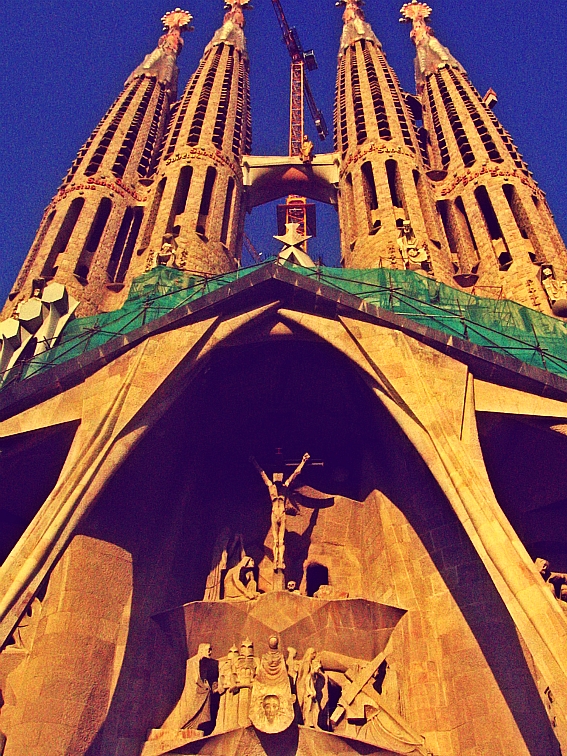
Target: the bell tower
pixel 387 214
pixel 196 201
pixel 89 230
pixel 496 220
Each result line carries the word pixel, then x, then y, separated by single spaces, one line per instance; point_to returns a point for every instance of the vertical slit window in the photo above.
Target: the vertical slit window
pixel 395 184
pixel 204 99
pixel 460 136
pixel 523 222
pixel 180 198
pixel 227 211
pixel 63 236
pixel 206 201
pixel 125 242
pixel 394 87
pixel 93 239
pixel 224 102
pixel 377 99
pixel 341 124
pixel 493 227
pixel 440 136
pixel 110 132
pixel 125 152
pixel 351 216
pixel 184 106
pixel 239 121
pixel 147 162
pixel 153 214
pixel 483 132
pixel 359 122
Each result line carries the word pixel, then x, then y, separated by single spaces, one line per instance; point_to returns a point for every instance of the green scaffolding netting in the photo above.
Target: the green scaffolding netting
pixel 498 324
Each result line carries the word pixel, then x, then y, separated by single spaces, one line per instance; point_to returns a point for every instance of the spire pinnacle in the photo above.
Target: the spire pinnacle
pixel 431 54
pixel 232 30
pixel 355 25
pixel 161 63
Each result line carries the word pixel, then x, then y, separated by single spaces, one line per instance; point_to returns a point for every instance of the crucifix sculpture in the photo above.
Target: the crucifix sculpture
pixel 281 505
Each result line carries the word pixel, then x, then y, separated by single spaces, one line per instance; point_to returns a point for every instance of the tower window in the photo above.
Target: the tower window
pixel 204 99
pixel 359 122
pixel 395 184
pixel 108 135
pixel 377 99
pixel 62 239
pixel 94 237
pixel 369 186
pixel 124 247
pixel 183 109
pixel 154 210
pixel 227 211
pixel 461 138
pixel 147 162
pixel 392 81
pixel 523 222
pixel 493 227
pixel 351 215
pixel 206 201
pixel 180 197
pixel 441 141
pixel 224 102
pixel 123 157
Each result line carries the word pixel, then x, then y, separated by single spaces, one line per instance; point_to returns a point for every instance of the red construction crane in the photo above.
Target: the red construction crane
pixel 296 210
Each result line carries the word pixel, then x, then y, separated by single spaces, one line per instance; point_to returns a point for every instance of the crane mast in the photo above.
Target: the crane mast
pixel 296 210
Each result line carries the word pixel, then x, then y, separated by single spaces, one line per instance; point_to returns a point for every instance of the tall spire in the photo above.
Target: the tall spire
pixel 431 54
pixel 356 27
pixel 88 235
pixel 232 30
pixel 161 63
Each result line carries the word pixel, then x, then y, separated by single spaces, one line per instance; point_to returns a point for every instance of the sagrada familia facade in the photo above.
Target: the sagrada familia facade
pixel 287 510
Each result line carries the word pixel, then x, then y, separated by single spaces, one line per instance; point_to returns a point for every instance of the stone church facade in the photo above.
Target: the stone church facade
pixel 287 509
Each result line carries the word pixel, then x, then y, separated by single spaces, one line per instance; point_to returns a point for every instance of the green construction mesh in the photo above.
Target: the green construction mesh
pixel 498 324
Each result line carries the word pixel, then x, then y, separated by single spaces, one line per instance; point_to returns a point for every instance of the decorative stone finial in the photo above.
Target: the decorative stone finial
pixel 355 25
pixel 431 54
pixel 161 63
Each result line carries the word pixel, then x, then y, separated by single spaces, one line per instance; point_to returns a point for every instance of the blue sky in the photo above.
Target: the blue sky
pixel 63 62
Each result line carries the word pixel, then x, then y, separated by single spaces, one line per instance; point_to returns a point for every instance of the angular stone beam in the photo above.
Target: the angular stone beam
pixel 269 178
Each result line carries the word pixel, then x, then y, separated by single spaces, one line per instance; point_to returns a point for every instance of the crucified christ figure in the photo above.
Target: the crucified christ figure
pixel 281 505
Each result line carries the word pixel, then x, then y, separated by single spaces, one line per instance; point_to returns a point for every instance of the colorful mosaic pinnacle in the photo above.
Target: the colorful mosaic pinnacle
pixel 177 19
pixel 415 12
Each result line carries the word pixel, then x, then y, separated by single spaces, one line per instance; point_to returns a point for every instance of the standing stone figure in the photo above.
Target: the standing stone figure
pixel 281 505
pixel 246 669
pixel 194 708
pixel 227 717
pixel 227 552
pixel 311 688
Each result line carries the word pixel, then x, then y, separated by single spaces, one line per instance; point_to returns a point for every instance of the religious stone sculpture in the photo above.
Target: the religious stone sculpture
pixel 193 712
pixel 281 505
pixel 227 553
pixel 227 716
pixel 413 255
pixel 271 706
pixel 312 688
pixel 166 256
pixel 557 581
pixel 239 583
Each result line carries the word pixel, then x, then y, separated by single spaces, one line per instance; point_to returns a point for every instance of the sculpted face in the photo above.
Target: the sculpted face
pixel 291 586
pixel 278 477
pixel 271 706
pixel 273 643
